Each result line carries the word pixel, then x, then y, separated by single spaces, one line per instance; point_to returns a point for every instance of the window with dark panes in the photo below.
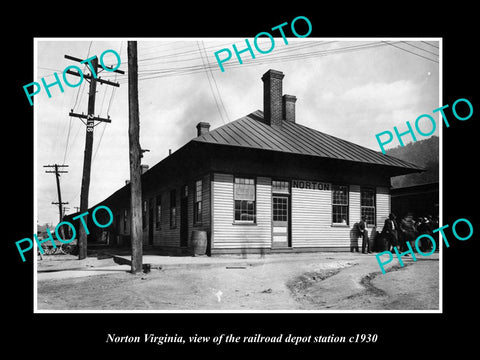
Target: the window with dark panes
pixel 367 205
pixel 340 204
pixel 125 220
pixel 144 214
pixel 158 212
pixel 244 196
pixel 173 209
pixel 280 208
pixel 280 187
pixel 197 209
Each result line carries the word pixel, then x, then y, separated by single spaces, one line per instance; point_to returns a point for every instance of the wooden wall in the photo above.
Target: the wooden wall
pixel 311 216
pixel 228 235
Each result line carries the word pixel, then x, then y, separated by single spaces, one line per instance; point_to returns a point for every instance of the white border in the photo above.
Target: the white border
pixel 35 142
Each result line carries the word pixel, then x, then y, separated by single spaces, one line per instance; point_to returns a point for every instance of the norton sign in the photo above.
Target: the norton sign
pixel 314 185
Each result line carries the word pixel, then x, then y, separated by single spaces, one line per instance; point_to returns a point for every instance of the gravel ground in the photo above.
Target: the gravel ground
pixel 318 281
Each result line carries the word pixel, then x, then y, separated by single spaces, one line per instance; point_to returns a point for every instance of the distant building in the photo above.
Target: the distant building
pixel 420 200
pixel 264 183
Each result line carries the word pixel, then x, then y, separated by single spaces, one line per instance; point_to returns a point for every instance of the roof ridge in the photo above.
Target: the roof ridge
pixel 315 142
pixel 355 144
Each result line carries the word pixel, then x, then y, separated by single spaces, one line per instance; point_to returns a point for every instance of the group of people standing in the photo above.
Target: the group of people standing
pixel 397 233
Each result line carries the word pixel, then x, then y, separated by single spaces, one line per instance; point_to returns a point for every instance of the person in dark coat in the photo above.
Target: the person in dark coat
pixel 409 231
pixel 390 231
pixel 362 227
pixel 424 228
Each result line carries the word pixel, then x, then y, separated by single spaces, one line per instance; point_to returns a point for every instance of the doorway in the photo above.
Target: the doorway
pixel 280 221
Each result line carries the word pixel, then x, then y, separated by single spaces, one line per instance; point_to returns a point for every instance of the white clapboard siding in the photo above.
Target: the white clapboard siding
pixel 383 206
pixel 312 218
pixel 354 202
pixel 226 234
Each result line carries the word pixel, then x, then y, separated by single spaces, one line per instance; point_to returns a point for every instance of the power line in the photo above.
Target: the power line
pixel 174 71
pixel 79 91
pixel 176 54
pixel 418 47
pixel 108 110
pixel 411 52
pixel 99 141
pixel 216 86
pixel 210 83
pixel 103 99
pixel 111 99
pixel 68 137
pixel 436 47
pixel 114 88
pixel 290 49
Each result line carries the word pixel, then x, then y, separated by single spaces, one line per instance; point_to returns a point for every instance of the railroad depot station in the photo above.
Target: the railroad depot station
pixel 261 183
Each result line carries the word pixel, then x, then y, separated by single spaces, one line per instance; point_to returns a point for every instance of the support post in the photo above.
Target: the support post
pixel 87 163
pixel 135 156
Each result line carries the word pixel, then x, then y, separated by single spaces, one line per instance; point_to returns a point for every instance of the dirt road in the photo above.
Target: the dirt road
pixel 326 281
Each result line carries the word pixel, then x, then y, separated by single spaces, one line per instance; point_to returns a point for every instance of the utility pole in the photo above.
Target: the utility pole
pixel 87 159
pixel 59 193
pixel 135 156
pixel 57 176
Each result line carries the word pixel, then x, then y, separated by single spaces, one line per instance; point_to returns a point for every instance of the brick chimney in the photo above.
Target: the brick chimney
pixel 202 128
pixel 288 107
pixel 272 97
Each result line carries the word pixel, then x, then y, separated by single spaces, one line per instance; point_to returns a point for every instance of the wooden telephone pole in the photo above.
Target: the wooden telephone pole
pixel 87 160
pixel 57 176
pixel 135 158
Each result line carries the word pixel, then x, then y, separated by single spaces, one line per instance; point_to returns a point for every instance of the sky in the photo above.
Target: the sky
pixel 349 88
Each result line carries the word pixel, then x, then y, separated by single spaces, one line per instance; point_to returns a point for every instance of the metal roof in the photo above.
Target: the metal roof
pixel 251 132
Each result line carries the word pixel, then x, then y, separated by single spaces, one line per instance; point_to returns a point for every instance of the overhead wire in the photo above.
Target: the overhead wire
pixel 77 99
pixel 289 53
pixel 216 86
pixel 145 70
pixel 425 42
pixel 282 54
pixel 420 48
pixel 81 92
pixel 184 54
pixel 411 52
pixel 210 84
pixel 174 71
pixel 112 94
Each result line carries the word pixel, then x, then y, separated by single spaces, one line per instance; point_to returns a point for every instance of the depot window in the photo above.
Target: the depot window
pixel 125 220
pixel 280 187
pixel 244 197
pixel 158 223
pixel 197 209
pixel 173 209
pixel 340 204
pixel 144 214
pixel 367 205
